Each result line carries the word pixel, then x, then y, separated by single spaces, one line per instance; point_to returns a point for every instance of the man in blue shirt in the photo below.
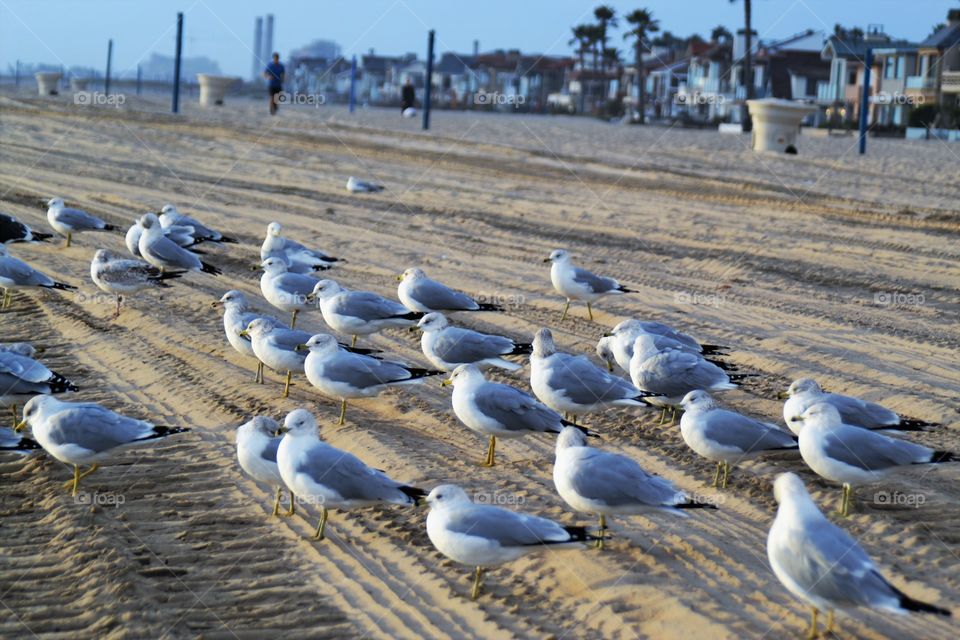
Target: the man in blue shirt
pixel 274 73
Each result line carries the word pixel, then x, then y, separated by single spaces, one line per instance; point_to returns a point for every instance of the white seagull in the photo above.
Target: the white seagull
pixel 17 274
pixel 285 290
pixel 360 313
pixel 67 221
pixel 257 444
pixel 237 317
pixel 118 276
pixel 299 259
pixel 447 347
pixel 417 292
pixel 165 254
pixel 575 283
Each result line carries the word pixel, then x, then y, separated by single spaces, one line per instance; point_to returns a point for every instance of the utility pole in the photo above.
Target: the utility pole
pixel 176 65
pixel 106 79
pixel 865 100
pixel 353 84
pixel 428 82
pixel 139 77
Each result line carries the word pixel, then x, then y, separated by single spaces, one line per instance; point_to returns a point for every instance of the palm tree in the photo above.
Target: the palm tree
pixel 747 64
pixel 721 34
pixel 606 17
pixel 581 39
pixel 642 23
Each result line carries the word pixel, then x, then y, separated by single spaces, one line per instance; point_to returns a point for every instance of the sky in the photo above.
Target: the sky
pixel 75 32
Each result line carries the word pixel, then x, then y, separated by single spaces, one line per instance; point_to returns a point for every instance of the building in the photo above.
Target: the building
pixel 937 72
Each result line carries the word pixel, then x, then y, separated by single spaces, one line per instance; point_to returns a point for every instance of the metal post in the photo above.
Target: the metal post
pixel 428 82
pixel 139 78
pixel 353 84
pixel 106 80
pixel 16 78
pixel 865 101
pixel 176 65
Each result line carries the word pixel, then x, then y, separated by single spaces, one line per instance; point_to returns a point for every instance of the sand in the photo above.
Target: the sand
pixel 788 260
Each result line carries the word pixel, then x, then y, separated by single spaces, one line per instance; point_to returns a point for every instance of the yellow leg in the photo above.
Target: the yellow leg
pixel 726 474
pixel 276 503
pixel 475 593
pixel 6 299
pixel 813 625
pixel 293 504
pixel 845 500
pixel 589 311
pixel 353 342
pixel 77 477
pixel 830 621
pixel 343 411
pixel 259 375
pixel 716 475
pixel 69 238
pixel 573 419
pixel 490 447
pixel 322 524
pixel 293 319
pixel 603 527
pixel 563 315
pixel 663 416
pixel 286 387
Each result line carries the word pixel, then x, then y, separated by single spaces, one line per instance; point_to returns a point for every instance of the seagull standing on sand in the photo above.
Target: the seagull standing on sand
pixel 331 477
pixel 17 274
pixel 182 236
pixel 804 393
pixel 236 318
pixel 819 563
pixel 356 185
pixel 12 230
pixel 341 374
pixel 257 444
pixel 299 259
pixel 118 276
pixel 67 222
pixel 165 254
pixel 448 347
pixel 170 217
pixel 853 455
pixel 594 481
pixel 498 410
pixel 575 283
pixel 574 385
pixel 727 437
pixel 360 313
pixel 285 290
pixel 276 347
pixel 22 377
pixel 85 433
pixel 417 292
pixel 482 535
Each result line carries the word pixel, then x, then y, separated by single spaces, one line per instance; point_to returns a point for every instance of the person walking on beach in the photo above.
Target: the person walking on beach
pixel 408 96
pixel 274 73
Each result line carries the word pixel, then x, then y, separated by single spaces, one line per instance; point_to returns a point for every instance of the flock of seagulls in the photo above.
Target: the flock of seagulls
pixel 843 439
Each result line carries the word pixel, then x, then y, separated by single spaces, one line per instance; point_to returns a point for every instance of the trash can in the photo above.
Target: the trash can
pixel 776 123
pixel 213 89
pixel 48 82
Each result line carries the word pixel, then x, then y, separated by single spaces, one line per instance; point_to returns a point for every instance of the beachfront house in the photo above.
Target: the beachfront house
pixel 936 78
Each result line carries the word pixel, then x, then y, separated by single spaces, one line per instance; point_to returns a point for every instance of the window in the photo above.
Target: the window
pixel 852 77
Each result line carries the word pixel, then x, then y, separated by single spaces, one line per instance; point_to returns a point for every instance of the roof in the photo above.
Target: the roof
pixel 857 49
pixel 454 63
pixel 945 38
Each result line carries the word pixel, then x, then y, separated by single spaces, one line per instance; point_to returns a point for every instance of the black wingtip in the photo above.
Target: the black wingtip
pixel 25 444
pixel 726 366
pixel 716 349
pixel 623 289
pixel 943 456
pixel 695 505
pixel 228 240
pixel 320 267
pixel 521 349
pixel 416 372
pixel 908 603
pixel 735 377
pixel 912 424
pixel 416 494
pixel 111 227
pixel 580 534
pixel 59 384
pixel 61 286
pixel 413 315
pixel 160 431
pixel 209 268
pixel 488 306
pixel 40 237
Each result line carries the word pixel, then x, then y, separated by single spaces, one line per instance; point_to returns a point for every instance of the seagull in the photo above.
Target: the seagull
pixel 20 348
pixel 180 235
pixel 17 274
pixel 854 456
pixel 66 221
pixel 493 409
pixel 299 259
pixel 118 276
pixel 604 483
pixel 484 535
pixel 13 442
pixel 170 217
pixel 333 478
pixel 236 318
pixel 579 284
pixel 447 347
pixel 257 444
pixel 417 292
pixel 619 342
pixel 22 377
pixel 804 392
pixel 822 565
pixel 726 436
pixel 276 347
pixel 285 290
pixel 573 384
pixel 358 313
pixel 83 433
pixel 355 185
pixel 338 373
pixel 165 254
pixel 12 230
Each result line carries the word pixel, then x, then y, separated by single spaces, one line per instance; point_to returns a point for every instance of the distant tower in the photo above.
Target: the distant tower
pixel 268 39
pixel 258 63
pixel 476 48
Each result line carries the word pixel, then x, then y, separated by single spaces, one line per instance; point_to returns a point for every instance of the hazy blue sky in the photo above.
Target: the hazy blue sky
pixel 76 31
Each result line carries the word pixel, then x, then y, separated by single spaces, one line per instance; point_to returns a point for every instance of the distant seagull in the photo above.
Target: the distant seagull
pixel 182 236
pixel 257 444
pixel 22 378
pixel 727 437
pixel 170 217
pixel 67 222
pixel 287 291
pixel 822 565
pixel 355 185
pixel 493 409
pixel 165 254
pixel 12 230
pixel 118 276
pixel 237 317
pixel 574 385
pixel 360 313
pixel 619 342
pixel 594 481
pixel 85 433
pixel 447 347
pixel 276 347
pixel 854 456
pixel 804 393
pixel 482 535
pixel 299 259
pixel 579 284
pixel 417 292
pixel 341 374
pixel 17 274
pixel 331 477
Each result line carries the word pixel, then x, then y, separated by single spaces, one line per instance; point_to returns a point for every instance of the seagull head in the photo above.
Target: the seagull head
pixel 300 422
pixel 543 345
pixel 102 256
pixel 571 437
pixel 232 299
pixel 447 495
pixel 698 400
pixel 55 203
pixel 803 385
pixel 411 274
pixel 788 485
pixel 433 321
pixel 558 255
pixel 322 343
pixel 258 328
pixel 36 408
pixel 261 425
pixel 324 290
pixel 626 327
pixel 169 209
pixel 605 351
pixel 820 414
pixel 149 221
pixel 464 373
pixel 273 229
pixel 274 265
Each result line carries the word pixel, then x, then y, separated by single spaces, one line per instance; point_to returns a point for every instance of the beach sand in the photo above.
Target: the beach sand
pixel 791 261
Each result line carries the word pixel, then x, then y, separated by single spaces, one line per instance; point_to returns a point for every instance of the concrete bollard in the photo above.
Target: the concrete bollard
pixel 48 82
pixel 213 89
pixel 776 123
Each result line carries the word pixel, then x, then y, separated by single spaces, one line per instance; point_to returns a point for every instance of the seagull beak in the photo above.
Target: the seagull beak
pixel 796 419
pixel 244 333
pixel 256 267
pixel 609 367
pixel 281 430
pixel 446 383
pixel 783 395
pixel 607 334
pixel 216 304
pixel 400 278
pixel 546 259
pixel 301 347
pixel 20 426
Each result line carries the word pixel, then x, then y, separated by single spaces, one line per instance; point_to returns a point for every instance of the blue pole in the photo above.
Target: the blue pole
pixel 428 82
pixel 865 101
pixel 176 65
pixel 16 78
pixel 353 84
pixel 106 82
pixel 139 78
